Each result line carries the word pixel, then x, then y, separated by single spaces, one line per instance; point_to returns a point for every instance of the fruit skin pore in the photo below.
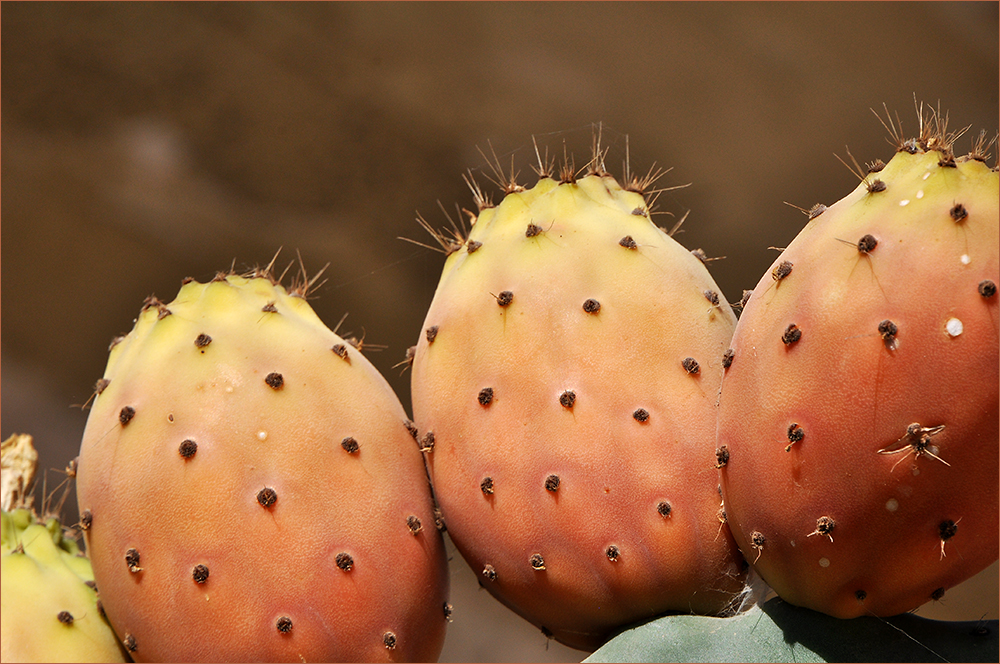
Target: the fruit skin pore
pixel 551 371
pixel 258 533
pixel 881 370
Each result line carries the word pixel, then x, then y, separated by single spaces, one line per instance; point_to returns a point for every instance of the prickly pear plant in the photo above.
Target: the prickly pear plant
pixel 859 414
pixel 775 631
pixel 49 609
pixel 564 386
pixel 249 489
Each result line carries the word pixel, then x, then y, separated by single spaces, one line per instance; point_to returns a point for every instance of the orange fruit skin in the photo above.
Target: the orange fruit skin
pixel 608 557
pixel 269 562
pixel 853 392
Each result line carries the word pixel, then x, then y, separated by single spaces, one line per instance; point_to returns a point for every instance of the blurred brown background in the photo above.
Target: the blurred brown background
pixel 143 143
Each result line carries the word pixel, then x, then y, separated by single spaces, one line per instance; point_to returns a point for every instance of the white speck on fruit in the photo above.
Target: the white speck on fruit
pixel 954 327
pixel 262 435
pixel 792 542
pixel 926 175
pixel 904 202
pixel 920 194
pixel 892 504
pixel 824 562
pixel 965 259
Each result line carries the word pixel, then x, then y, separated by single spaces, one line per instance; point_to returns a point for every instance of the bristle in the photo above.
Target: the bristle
pixel 980 147
pixel 927 126
pixel 546 166
pixel 872 185
pixel 677 226
pixel 482 199
pixel 266 272
pixel 597 154
pixel 895 129
pixel 506 181
pixel 302 285
pixel 281 277
pixel 642 185
pixel 449 240
pixel 567 171
pixel 932 134
pixel 627 165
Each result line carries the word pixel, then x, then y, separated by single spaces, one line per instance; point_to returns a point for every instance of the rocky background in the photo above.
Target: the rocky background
pixel 142 143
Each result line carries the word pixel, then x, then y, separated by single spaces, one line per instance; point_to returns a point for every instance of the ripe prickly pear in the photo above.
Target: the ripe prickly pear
pixel 249 489
pixel 564 385
pixel 48 605
pixel 860 411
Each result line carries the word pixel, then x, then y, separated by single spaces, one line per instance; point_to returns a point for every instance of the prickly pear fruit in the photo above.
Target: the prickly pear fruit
pixel 49 611
pixel 249 489
pixel 564 386
pixel 859 414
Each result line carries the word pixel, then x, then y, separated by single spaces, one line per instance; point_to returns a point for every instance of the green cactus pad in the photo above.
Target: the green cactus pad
pixel 779 632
